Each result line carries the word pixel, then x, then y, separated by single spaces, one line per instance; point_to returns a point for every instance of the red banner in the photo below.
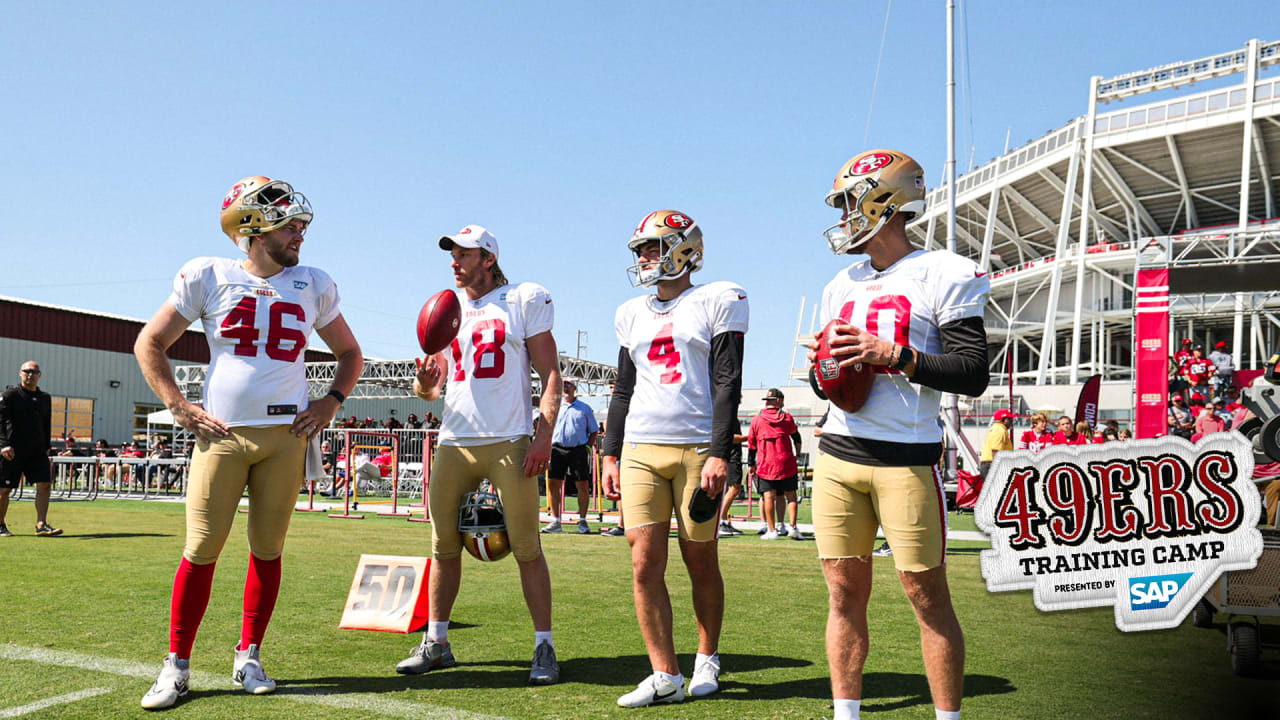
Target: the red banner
pixel 1151 330
pixel 1087 405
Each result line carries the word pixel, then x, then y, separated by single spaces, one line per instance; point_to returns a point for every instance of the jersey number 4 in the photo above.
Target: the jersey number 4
pixel 899 305
pixel 283 343
pixel 662 351
pixel 489 360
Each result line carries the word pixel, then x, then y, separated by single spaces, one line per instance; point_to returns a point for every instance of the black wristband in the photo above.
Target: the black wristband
pixel 337 395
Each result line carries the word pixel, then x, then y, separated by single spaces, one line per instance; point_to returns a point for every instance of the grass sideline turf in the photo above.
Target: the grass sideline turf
pixel 102 590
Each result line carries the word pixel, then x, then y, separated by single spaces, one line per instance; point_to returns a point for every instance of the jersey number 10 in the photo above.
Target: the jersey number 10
pixel 241 325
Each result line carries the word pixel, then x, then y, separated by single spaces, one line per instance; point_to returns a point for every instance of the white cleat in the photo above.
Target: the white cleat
pixel 653 691
pixel 248 673
pixel 171 685
pixel 771 535
pixel 706 677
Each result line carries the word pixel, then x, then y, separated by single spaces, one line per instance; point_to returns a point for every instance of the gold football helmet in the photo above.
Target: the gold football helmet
pixel 871 188
pixel 679 244
pixel 483 525
pixel 258 205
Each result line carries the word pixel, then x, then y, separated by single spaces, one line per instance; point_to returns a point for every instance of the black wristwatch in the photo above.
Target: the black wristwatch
pixel 905 356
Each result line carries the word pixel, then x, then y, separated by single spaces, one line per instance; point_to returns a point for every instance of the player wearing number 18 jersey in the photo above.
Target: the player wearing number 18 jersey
pixel 672 421
pixel 254 418
pixel 484 433
pixel 917 318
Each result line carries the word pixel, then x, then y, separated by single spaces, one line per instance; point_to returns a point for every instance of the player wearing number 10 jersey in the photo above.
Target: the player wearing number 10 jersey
pixel 917 318
pixel 674 407
pixel 484 433
pixel 254 419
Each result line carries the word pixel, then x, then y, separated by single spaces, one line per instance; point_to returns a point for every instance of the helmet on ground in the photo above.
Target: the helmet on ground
pixel 483 526
pixel 679 247
pixel 871 188
pixel 258 205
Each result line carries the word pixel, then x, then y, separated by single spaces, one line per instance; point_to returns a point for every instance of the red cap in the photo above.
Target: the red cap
pixel 1001 414
pixel 1220 345
pixel 1197 396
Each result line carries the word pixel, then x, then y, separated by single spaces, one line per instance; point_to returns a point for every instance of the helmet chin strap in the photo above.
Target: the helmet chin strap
pixel 870 234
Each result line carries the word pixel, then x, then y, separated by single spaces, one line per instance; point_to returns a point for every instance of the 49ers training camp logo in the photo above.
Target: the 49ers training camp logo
pixel 1146 526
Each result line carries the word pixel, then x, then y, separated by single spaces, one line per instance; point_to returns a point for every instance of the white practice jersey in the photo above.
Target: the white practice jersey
pixel 257 329
pixel 670 344
pixel 488 392
pixel 905 304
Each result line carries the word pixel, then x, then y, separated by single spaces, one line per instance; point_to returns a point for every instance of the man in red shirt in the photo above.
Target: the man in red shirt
pixel 1197 371
pixel 1182 356
pixel 1066 434
pixel 774 439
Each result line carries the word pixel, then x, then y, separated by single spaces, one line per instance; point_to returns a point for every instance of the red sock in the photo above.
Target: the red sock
pixel 191 586
pixel 261 587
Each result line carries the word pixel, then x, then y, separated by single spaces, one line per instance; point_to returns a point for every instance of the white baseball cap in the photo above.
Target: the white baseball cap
pixel 471 236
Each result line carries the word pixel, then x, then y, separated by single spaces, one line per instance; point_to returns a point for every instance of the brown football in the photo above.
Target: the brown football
pixel 846 387
pixel 438 321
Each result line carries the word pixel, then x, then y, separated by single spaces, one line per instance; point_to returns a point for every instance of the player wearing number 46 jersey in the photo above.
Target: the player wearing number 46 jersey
pixel 672 421
pixel 254 418
pixel 917 318
pixel 485 433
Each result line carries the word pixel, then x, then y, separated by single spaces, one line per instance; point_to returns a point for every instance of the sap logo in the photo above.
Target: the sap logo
pixel 1155 591
pixel 299 285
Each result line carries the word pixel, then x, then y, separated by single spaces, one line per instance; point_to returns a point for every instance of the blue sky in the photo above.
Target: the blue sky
pixel 556 125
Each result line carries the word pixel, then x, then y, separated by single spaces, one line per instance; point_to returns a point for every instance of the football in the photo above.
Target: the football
pixel 846 387
pixel 438 321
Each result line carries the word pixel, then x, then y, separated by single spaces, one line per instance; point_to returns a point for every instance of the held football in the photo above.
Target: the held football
pixel 438 322
pixel 846 387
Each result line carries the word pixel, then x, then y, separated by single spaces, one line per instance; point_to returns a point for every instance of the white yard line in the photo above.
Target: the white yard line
pixel 50 702
pixel 366 702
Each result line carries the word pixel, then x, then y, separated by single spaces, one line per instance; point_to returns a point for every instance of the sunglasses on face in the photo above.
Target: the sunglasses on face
pixel 30 372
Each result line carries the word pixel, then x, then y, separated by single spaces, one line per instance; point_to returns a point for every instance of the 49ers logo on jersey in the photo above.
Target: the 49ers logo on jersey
pixel 236 191
pixel 870 162
pixel 678 221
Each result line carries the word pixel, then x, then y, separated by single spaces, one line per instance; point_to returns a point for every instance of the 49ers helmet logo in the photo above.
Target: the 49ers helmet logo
pixel 678 221
pixel 870 162
pixel 233 195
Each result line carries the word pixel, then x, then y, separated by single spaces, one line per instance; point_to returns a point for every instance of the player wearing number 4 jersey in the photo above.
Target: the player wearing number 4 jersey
pixel 917 318
pixel 254 418
pixel 672 421
pixel 484 433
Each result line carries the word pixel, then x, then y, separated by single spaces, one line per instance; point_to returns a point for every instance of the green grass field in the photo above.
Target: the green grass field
pixel 87 613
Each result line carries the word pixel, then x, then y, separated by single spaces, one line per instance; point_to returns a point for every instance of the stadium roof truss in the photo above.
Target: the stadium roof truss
pixel 394 378
pixel 1197 170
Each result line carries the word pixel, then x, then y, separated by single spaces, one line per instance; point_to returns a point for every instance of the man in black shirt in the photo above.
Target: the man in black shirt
pixel 25 413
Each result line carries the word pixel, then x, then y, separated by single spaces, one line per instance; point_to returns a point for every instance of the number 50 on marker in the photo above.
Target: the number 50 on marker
pixel 388 593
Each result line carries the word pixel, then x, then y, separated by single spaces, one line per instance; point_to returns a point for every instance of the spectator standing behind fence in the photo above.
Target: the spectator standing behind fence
pixel 412 422
pixel 1197 372
pixel 576 428
pixel 1038 437
pixel 254 418
pixel 25 414
pixel 1208 422
pixel 1224 367
pixel 999 438
pixel 773 441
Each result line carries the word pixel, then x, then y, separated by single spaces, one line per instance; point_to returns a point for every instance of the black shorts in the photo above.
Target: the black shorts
pixel 569 463
pixel 735 474
pixel 784 485
pixel 35 467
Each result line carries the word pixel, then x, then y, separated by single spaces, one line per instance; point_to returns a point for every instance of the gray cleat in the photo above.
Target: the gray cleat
pixel 546 671
pixel 429 655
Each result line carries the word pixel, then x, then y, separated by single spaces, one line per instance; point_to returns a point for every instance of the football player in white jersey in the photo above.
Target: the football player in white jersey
pixel 254 418
pixel 672 421
pixel 917 318
pixel 485 433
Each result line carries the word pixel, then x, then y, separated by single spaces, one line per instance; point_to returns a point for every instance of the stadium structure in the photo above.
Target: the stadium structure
pixel 1064 222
